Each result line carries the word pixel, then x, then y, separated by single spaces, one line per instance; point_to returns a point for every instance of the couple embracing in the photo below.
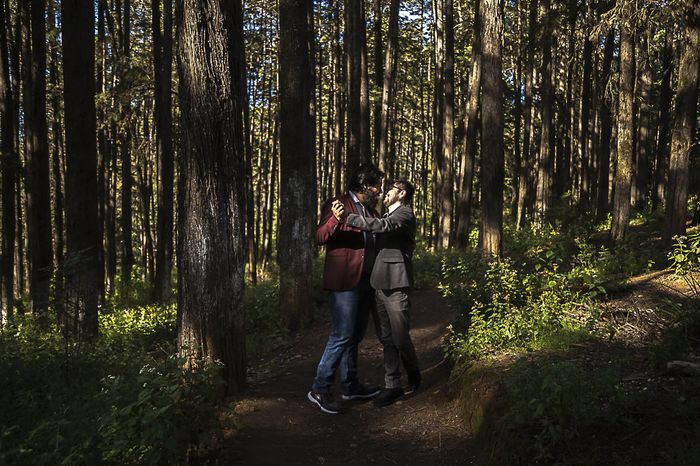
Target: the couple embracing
pixel 367 270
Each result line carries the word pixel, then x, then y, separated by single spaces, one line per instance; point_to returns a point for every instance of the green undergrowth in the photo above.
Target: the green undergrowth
pixel 125 399
pixel 538 380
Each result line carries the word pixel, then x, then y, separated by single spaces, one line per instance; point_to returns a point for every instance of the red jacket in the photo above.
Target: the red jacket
pixel 345 247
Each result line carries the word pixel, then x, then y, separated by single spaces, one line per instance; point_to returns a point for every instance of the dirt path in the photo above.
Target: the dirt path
pixel 278 425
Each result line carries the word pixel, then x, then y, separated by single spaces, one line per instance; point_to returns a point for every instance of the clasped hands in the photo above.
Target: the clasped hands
pixel 338 210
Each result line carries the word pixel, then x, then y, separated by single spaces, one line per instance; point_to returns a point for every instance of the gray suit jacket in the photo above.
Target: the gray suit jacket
pixel 395 241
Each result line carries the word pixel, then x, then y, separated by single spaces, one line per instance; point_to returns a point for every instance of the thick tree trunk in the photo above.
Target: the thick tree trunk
pixel 8 166
pixel 162 54
pixel 210 249
pixel 81 275
pixel 625 132
pixel 467 167
pixel 379 59
pixel 296 167
pixel 438 114
pixel 491 130
pixel 39 239
pixel 684 121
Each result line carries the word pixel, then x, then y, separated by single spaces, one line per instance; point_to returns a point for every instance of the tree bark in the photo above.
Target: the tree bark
pixel 606 120
pixel 684 121
pixel 445 169
pixel 296 167
pixel 8 166
pixel 584 118
pixel 466 175
pixel 545 163
pixel 625 132
pixel 527 162
pixel 211 252
pixel 81 275
pixel 491 130
pixel 644 82
pixel 39 239
pixel 125 146
pixel 665 105
pixel 162 58
pixel 389 76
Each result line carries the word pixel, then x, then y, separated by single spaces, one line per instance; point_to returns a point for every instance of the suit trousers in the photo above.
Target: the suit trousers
pixel 393 313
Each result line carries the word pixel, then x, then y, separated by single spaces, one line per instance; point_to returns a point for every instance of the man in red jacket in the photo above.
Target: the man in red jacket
pixel 350 255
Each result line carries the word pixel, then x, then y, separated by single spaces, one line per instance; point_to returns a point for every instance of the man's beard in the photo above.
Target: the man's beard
pixel 370 199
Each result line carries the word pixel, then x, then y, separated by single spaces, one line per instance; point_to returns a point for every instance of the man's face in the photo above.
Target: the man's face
pixel 371 194
pixel 392 195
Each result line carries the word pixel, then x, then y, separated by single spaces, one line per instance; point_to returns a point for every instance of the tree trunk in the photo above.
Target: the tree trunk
pixel 390 64
pixel 604 145
pixel 446 171
pixel 39 239
pixel 665 104
pixel 296 216
pixel 438 114
pixel 354 29
pixel 81 275
pixel 527 162
pixel 625 132
pixel 684 120
pixel 162 65
pixel 8 165
pixel 125 146
pixel 584 118
pixel 466 175
pixel 545 163
pixel 644 83
pixel 379 69
pixel 210 249
pixel 491 130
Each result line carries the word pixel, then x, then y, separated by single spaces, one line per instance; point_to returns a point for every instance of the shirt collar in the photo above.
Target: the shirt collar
pixel 354 198
pixel 394 206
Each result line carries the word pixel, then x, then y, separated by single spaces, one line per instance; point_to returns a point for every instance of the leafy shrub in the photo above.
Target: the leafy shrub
pixel 115 401
pixel 685 260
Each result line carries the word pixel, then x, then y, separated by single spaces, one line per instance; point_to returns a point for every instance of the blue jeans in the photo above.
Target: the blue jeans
pixel 349 317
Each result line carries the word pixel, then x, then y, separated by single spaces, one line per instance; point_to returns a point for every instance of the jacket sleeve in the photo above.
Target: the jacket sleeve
pixel 399 221
pixel 327 225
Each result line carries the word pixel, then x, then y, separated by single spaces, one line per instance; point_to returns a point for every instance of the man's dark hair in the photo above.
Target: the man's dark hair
pixel 406 186
pixel 365 175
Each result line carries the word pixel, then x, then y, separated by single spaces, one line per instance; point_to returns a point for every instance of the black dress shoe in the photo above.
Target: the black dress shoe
pixel 414 380
pixel 387 396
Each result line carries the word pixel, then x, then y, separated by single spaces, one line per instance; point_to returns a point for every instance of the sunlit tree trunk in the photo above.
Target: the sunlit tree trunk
pixel 491 130
pixel 467 167
pixel 625 131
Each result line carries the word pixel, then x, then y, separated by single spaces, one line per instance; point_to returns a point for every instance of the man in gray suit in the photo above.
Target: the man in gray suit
pixel 392 277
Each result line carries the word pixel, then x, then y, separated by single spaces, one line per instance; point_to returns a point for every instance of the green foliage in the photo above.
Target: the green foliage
pixel 264 325
pixel 685 260
pixel 505 307
pixel 553 404
pixel 118 401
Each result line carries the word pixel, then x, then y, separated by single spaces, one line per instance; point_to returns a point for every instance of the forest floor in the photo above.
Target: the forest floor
pixel 276 424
